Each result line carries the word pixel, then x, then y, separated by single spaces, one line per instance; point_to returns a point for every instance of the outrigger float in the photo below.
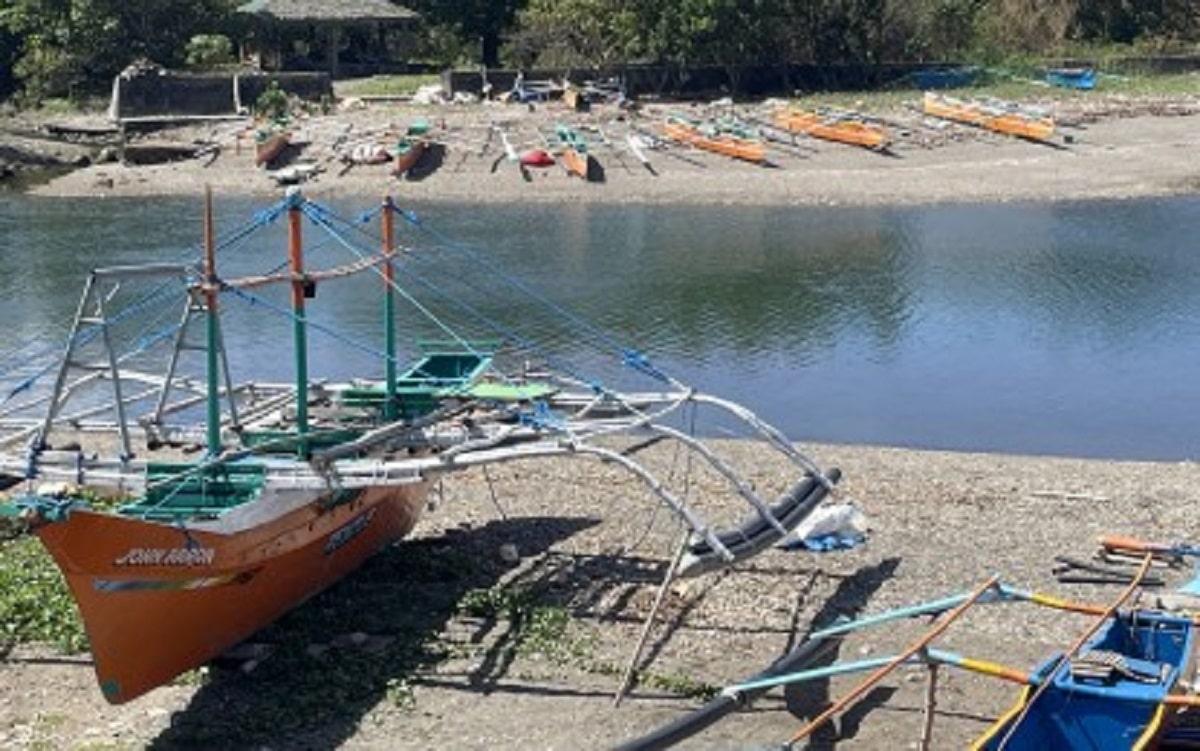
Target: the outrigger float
pixel 1119 686
pixel 187 511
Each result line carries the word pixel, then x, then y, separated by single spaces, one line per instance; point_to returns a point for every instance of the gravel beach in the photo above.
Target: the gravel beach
pixel 941 522
pixel 1104 148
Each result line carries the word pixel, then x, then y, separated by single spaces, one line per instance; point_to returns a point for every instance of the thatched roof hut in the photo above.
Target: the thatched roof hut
pixel 278 20
pixel 329 11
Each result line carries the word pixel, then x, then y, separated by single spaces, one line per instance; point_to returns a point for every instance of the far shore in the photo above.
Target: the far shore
pixel 1105 149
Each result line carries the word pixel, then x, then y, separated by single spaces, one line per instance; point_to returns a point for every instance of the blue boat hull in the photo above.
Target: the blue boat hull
pixel 1084 79
pixel 1120 710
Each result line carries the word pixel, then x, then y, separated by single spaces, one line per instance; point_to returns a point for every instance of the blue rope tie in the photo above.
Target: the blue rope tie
pixel 639 362
pixel 541 417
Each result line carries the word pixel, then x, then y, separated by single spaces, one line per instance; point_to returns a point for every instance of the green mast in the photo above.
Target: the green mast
pixel 213 420
pixel 389 309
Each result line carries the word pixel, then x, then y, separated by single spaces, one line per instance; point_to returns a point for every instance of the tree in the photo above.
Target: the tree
pixel 67 46
pixel 475 21
pixel 10 49
pixel 567 33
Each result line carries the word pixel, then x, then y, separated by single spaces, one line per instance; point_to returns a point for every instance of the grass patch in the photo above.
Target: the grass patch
pixel 537 626
pixel 398 85
pixel 1014 85
pixel 35 604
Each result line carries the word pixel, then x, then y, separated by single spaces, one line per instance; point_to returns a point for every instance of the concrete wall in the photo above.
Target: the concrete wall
pixel 166 94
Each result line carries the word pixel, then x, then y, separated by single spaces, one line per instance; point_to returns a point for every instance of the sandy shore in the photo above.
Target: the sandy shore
pixel 1105 148
pixel 941 524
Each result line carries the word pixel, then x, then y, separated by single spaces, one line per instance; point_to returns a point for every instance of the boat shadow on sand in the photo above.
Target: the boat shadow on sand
pixel 360 643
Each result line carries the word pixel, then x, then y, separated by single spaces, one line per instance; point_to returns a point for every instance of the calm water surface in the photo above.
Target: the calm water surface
pixel 1066 329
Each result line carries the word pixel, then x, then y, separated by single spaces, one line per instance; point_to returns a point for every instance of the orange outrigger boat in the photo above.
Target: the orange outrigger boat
pixel 410 148
pixel 695 134
pixel 574 155
pixel 995 117
pixel 269 145
pixel 186 512
pixel 842 129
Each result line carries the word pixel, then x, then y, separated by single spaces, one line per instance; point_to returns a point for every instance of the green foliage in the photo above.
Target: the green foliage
pixel 209 50
pixel 682 685
pixel 538 627
pixel 594 33
pixel 35 604
pixel 272 104
pixel 68 47
pixel 57 48
pixel 475 22
pixel 10 48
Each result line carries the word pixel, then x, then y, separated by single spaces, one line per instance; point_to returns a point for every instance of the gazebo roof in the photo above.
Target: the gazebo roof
pixel 328 10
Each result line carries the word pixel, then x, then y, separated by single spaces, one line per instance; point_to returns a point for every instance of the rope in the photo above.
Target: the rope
pixel 233 237
pixel 541 417
pixel 320 220
pixel 250 282
pixel 287 313
pixel 631 356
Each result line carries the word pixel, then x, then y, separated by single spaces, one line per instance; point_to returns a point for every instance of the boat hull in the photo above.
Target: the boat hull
pixel 406 158
pixel 270 148
pixel 970 113
pixel 1082 712
pixel 575 162
pixel 850 132
pixel 727 145
pixel 158 599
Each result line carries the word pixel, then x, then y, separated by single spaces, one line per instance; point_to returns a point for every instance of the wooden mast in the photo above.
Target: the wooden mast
pixel 299 288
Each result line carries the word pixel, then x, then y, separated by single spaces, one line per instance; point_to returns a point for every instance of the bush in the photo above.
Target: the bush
pixel 272 104
pixel 209 50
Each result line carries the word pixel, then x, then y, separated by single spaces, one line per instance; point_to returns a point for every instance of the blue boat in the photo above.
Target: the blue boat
pixel 944 78
pixel 1115 693
pixel 1072 78
pixel 1120 689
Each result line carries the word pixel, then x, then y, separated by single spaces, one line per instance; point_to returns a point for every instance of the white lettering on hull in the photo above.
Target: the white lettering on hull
pixel 167 557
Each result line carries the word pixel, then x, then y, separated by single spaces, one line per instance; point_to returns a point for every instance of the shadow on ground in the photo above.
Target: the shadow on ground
pixel 806 701
pixel 357 644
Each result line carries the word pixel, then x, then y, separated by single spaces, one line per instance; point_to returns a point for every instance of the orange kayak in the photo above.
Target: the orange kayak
pixel 842 130
pixel 727 144
pixel 991 117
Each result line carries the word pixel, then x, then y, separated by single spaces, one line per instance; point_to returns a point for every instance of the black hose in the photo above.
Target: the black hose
pixel 690 724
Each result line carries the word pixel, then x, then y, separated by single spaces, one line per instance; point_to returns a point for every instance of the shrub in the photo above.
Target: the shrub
pixel 209 50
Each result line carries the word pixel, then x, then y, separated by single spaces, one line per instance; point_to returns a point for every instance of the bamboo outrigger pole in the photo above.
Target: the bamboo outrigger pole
pixel 895 662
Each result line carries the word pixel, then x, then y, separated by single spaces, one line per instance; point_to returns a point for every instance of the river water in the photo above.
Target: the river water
pixel 1066 328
